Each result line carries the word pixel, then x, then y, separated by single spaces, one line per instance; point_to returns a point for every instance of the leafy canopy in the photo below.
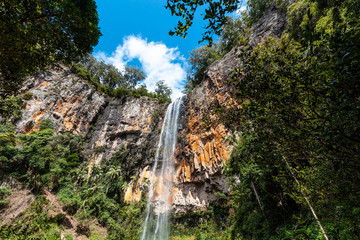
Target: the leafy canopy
pixel 162 89
pixel 215 15
pixel 36 33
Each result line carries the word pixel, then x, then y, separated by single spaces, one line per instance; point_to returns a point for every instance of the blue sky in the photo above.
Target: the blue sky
pixel 135 32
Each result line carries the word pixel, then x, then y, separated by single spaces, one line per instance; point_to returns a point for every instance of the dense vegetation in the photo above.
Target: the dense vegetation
pixel 233 33
pixel 55 162
pixel 36 34
pixel 115 83
pixel 295 168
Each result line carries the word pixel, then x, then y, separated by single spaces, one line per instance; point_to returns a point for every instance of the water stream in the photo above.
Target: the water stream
pixel 159 202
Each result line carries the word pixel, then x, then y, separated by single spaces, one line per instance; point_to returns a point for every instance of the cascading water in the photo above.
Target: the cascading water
pixel 156 225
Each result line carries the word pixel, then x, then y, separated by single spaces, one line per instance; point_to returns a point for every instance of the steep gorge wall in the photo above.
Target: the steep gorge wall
pixel 203 145
pixel 72 105
pixel 64 99
pixel 202 142
pixel 131 123
pixel 135 123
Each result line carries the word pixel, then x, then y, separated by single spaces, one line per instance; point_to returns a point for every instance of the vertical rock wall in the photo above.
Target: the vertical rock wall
pixel 202 143
pixel 127 123
pixel 135 123
pixel 64 99
pixel 203 146
pixel 108 124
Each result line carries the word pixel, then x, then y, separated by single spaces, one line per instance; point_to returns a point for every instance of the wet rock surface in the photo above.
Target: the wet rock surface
pixel 130 121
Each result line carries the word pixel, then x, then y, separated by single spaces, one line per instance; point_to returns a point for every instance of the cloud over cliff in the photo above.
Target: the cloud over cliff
pixel 158 61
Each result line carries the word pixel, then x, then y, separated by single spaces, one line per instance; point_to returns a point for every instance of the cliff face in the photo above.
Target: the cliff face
pixel 135 123
pixel 127 123
pixel 271 24
pixel 202 144
pixel 73 105
pixel 60 96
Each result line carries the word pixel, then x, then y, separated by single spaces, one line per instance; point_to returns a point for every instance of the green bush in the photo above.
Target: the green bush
pixel 11 108
pixel 3 192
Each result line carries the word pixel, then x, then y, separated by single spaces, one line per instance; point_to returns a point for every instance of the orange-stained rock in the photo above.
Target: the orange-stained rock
pixel 203 147
pixel 63 98
pixel 133 192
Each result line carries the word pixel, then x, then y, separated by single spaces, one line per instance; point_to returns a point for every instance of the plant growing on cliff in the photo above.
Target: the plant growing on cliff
pixel 4 191
pixel 108 80
pixel 10 108
pixel 162 90
pixel 200 59
pixel 297 158
pixel 233 33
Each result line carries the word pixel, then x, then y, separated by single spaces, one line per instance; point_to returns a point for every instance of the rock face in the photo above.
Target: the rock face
pixel 202 143
pixel 109 125
pixel 130 121
pixel 134 124
pixel 203 147
pixel 271 24
pixel 60 96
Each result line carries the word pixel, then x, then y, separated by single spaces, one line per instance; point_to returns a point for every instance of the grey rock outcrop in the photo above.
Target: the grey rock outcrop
pixel 130 121
pixel 271 24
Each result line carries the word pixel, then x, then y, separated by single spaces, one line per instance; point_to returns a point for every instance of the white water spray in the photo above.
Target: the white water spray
pixel 156 225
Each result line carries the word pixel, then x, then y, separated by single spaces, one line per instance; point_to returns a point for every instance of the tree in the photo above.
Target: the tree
pixel 110 76
pixel 256 10
pixel 132 76
pixel 35 34
pixel 200 59
pixel 162 89
pixel 231 34
pixel 299 98
pixel 215 14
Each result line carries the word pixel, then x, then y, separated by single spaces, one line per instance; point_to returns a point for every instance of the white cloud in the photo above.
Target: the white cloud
pixel 157 60
pixel 240 10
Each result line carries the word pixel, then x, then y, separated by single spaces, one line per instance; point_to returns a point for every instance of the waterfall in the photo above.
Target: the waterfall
pixel 159 202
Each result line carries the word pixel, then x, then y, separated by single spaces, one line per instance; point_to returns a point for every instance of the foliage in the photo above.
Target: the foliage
pixel 210 224
pixel 108 80
pixel 215 14
pixel 162 90
pixel 34 224
pixel 35 34
pixel 101 195
pixel 299 127
pixel 10 108
pixel 133 75
pixel 233 33
pixel 110 76
pixel 200 59
pixel 255 10
pixel 40 158
pixel 3 192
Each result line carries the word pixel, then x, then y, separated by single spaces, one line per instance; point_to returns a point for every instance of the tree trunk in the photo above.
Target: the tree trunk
pixel 307 200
